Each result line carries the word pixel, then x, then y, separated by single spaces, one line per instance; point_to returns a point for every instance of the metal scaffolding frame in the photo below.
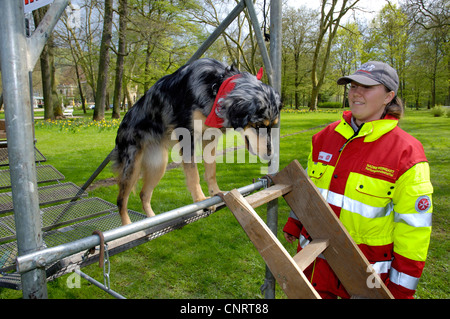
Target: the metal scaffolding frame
pixel 18 56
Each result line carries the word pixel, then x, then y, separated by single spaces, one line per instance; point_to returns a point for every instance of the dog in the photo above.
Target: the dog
pixel 207 91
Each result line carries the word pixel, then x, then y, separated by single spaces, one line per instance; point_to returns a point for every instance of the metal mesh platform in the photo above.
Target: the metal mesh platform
pixel 44 173
pixel 60 215
pixel 52 238
pixel 68 264
pixel 11 281
pixel 47 195
pixel 68 222
pixel 105 219
pixel 4 160
pixel 83 229
pixel 86 228
pixel 57 216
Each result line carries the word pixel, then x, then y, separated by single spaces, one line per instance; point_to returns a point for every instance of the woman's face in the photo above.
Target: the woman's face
pixel 367 103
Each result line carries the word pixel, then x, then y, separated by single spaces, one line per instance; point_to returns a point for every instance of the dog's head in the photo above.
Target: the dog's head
pixel 253 108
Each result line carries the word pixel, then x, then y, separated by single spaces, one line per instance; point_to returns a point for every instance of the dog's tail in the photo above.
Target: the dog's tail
pixel 115 160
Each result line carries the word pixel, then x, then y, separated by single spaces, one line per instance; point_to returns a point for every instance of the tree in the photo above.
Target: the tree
pixel 429 14
pixel 103 66
pixel 298 38
pixel 393 40
pixel 431 19
pixel 123 9
pixel 238 40
pixel 52 107
pixel 45 71
pixel 162 34
pixel 330 17
pixel 346 53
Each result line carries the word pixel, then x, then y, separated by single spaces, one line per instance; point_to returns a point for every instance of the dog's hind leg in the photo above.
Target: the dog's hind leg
pixel 193 181
pixel 153 166
pixel 126 181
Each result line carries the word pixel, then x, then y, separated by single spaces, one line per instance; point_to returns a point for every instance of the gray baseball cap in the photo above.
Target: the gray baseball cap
pixel 373 73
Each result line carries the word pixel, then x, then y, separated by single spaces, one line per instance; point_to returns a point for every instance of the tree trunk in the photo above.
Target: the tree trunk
pixel 80 89
pixel 45 71
pixel 46 85
pixel 297 80
pixel 57 108
pixel 120 59
pixel 328 25
pixel 103 66
pixel 344 99
pixel 314 98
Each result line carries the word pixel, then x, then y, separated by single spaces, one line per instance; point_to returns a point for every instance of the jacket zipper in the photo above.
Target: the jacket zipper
pixel 354 135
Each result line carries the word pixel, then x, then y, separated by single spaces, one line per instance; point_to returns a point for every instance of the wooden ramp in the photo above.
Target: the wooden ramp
pixel 330 238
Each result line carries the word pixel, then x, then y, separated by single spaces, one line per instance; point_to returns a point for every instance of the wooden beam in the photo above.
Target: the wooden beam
pixel 267 195
pixel 288 275
pixel 343 255
pixel 307 255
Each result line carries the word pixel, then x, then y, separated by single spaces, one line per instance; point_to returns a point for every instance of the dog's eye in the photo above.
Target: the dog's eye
pixel 264 124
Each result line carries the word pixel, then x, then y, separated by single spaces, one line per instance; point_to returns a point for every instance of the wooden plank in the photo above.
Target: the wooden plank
pixel 267 195
pixel 307 255
pixel 288 275
pixel 343 255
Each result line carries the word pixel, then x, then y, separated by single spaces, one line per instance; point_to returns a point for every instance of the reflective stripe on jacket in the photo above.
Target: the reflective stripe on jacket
pixel 377 182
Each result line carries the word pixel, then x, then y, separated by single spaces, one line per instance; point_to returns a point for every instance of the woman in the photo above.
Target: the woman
pixel 376 178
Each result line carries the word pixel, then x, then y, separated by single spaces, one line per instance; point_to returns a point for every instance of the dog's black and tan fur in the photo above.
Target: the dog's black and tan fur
pixel 175 101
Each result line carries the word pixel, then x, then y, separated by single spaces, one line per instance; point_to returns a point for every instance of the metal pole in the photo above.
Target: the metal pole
pixel 48 256
pixel 260 40
pixel 275 57
pixel 94 175
pixel 19 130
pixel 98 284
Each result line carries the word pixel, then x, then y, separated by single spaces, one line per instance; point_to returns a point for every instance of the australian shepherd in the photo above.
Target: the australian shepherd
pixel 206 92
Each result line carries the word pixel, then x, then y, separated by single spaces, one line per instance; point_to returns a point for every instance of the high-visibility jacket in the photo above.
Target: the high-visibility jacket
pixel 377 181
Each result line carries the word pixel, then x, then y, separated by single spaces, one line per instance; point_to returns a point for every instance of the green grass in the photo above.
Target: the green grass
pixel 213 257
pixel 434 133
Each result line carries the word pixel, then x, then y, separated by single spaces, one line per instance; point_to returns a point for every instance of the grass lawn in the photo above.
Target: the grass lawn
pixel 213 257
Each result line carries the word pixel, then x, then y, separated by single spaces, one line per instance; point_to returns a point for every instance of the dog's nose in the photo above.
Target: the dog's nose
pixel 269 149
pixel 267 156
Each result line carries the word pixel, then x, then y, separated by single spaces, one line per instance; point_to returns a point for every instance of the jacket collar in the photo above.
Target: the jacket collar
pixel 371 130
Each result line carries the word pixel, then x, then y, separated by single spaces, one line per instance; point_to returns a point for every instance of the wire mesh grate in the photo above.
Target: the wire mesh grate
pixel 7 228
pixel 57 216
pixel 63 214
pixel 44 173
pixel 4 160
pixel 47 195
pixel 11 281
pixel 8 251
pixel 81 229
pixel 8 254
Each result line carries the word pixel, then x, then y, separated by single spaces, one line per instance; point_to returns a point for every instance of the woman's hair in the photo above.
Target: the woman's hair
pixel 394 108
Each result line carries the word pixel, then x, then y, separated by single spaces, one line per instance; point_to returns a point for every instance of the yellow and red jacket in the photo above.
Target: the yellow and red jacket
pixel 377 181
